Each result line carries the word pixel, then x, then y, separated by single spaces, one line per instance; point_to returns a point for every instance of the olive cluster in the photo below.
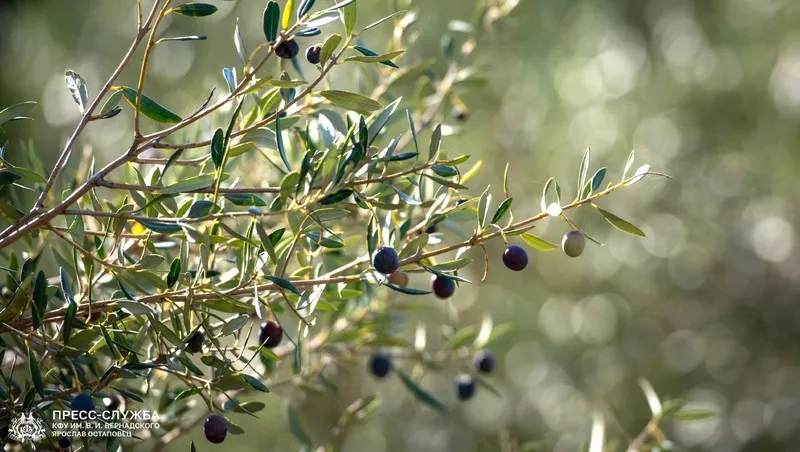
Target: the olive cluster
pixel 386 261
pixel 289 49
pixel 484 362
pixel 215 427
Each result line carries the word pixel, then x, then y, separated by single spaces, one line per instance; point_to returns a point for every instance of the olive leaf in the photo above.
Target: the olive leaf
pixel 15 112
pixel 151 108
pixel 304 7
pixel 537 243
pixel 272 19
pixel 77 87
pixel 351 101
pixel 619 223
pixel 420 393
pixel 218 147
pixel 8 177
pixel 369 56
pixel 349 17
pixel 195 9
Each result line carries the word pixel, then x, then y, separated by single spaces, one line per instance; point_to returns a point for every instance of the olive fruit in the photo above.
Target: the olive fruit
pixel 443 287
pixel 515 258
pixel 287 49
pixel 270 334
pixel 386 260
pixel 399 279
pixel 82 402
pixel 484 362
pixel 459 114
pixel 573 243
pixel 215 428
pixel 465 387
pixel 195 343
pixel 313 53
pixel 380 363
pixel 64 442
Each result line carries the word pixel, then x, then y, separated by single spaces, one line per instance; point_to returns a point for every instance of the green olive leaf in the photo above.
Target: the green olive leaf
pixel 151 108
pixel 195 9
pixel 272 20
pixel 619 223
pixel 351 101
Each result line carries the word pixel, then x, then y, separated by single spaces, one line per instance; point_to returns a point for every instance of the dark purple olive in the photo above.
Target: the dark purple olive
pixel 464 386
pixel 270 334
pixel 313 53
pixel 459 114
pixel 443 287
pixel 484 362
pixel 215 428
pixel 287 49
pixel 64 442
pixel 195 343
pixel 515 258
pixel 385 260
pixel 380 363
pixel 82 402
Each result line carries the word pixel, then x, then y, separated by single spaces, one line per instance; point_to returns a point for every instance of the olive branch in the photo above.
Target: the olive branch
pixel 226 261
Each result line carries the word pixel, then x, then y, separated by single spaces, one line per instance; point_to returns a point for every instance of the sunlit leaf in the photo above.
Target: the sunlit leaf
pixel 537 243
pixel 190 184
pixel 436 140
pixel 351 101
pixel 15 111
pixel 349 17
pixel 239 43
pixel 369 56
pixel 279 143
pixel 638 175
pixel 304 7
pixel 151 108
pixel 622 225
pixel 693 415
pixel 184 38
pixel 77 87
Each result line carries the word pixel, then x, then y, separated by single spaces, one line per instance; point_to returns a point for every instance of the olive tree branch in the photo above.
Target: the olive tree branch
pixel 145 60
pixel 62 159
pixel 332 277
pixel 140 143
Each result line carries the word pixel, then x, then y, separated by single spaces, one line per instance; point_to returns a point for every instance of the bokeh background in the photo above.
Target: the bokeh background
pixel 705 308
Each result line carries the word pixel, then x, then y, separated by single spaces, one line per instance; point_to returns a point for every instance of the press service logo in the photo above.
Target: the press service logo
pixel 25 427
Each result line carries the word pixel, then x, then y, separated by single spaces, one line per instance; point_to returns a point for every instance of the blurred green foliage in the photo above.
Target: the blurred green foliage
pixel 705 308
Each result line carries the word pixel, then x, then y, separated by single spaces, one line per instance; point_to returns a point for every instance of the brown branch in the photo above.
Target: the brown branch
pixel 155 188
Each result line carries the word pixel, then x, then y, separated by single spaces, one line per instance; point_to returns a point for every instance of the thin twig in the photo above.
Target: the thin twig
pixel 62 159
